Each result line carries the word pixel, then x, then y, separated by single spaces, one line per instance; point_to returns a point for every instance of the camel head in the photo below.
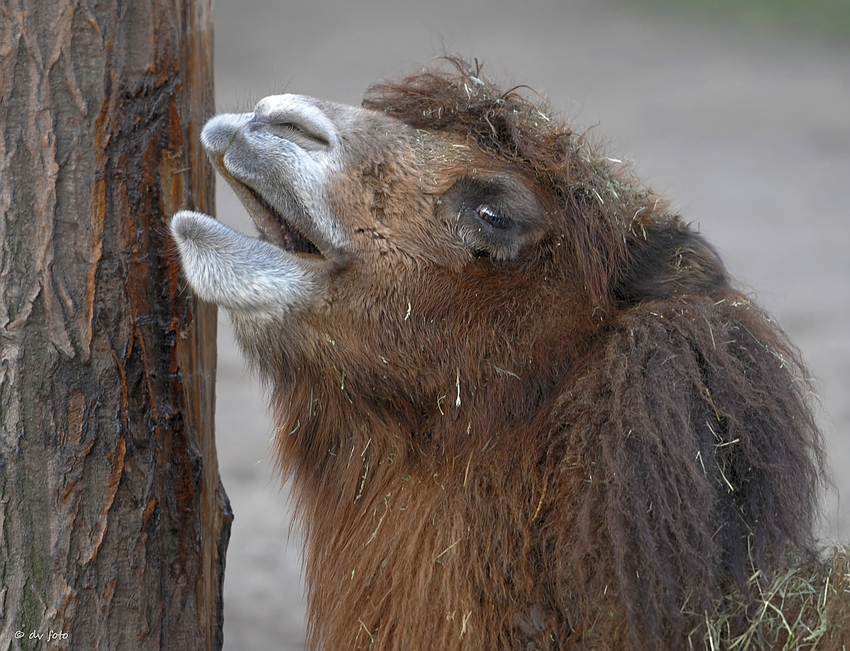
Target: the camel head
pixel 383 235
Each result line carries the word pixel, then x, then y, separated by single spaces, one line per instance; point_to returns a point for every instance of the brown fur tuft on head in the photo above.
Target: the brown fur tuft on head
pixel 580 184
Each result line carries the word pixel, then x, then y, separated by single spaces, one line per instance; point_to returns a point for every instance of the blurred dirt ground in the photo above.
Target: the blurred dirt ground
pixel 747 130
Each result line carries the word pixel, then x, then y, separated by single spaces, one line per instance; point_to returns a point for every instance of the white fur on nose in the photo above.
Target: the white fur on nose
pixel 237 272
pixel 219 131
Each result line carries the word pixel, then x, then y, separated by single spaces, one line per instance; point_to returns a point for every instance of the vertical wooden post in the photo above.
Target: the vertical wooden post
pixel 113 522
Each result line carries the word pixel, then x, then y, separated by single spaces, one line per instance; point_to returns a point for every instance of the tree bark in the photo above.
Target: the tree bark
pixel 113 521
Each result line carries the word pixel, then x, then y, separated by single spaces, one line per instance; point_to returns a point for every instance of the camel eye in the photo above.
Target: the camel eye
pixel 493 217
pixel 496 215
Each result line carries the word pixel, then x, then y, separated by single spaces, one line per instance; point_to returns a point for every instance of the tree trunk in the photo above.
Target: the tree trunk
pixel 113 521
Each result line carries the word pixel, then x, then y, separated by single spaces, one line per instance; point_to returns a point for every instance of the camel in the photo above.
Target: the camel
pixel 521 403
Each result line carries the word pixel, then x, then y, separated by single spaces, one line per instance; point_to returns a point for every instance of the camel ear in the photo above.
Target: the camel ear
pixel 496 215
pixel 669 260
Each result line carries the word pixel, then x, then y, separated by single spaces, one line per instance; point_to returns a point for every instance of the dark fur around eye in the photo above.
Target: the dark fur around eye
pixel 497 215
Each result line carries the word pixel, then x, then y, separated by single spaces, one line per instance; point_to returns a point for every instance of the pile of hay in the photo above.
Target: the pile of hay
pixel 805 607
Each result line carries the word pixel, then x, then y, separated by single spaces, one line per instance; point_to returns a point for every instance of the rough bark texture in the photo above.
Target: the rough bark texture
pixel 113 522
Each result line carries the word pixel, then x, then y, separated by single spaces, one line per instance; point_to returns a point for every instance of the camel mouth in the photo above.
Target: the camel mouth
pixel 273 225
pixel 286 235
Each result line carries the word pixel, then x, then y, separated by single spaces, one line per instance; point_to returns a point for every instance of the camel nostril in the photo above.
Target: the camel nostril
pixel 299 135
pixel 296 119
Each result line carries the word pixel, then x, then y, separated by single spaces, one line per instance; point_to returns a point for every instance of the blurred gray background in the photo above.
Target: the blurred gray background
pixel 740 114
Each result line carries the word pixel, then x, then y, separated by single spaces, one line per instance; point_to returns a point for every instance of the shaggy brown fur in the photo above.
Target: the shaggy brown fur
pixel 581 446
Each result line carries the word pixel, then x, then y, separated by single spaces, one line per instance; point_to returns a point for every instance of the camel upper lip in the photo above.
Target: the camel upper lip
pixel 289 212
